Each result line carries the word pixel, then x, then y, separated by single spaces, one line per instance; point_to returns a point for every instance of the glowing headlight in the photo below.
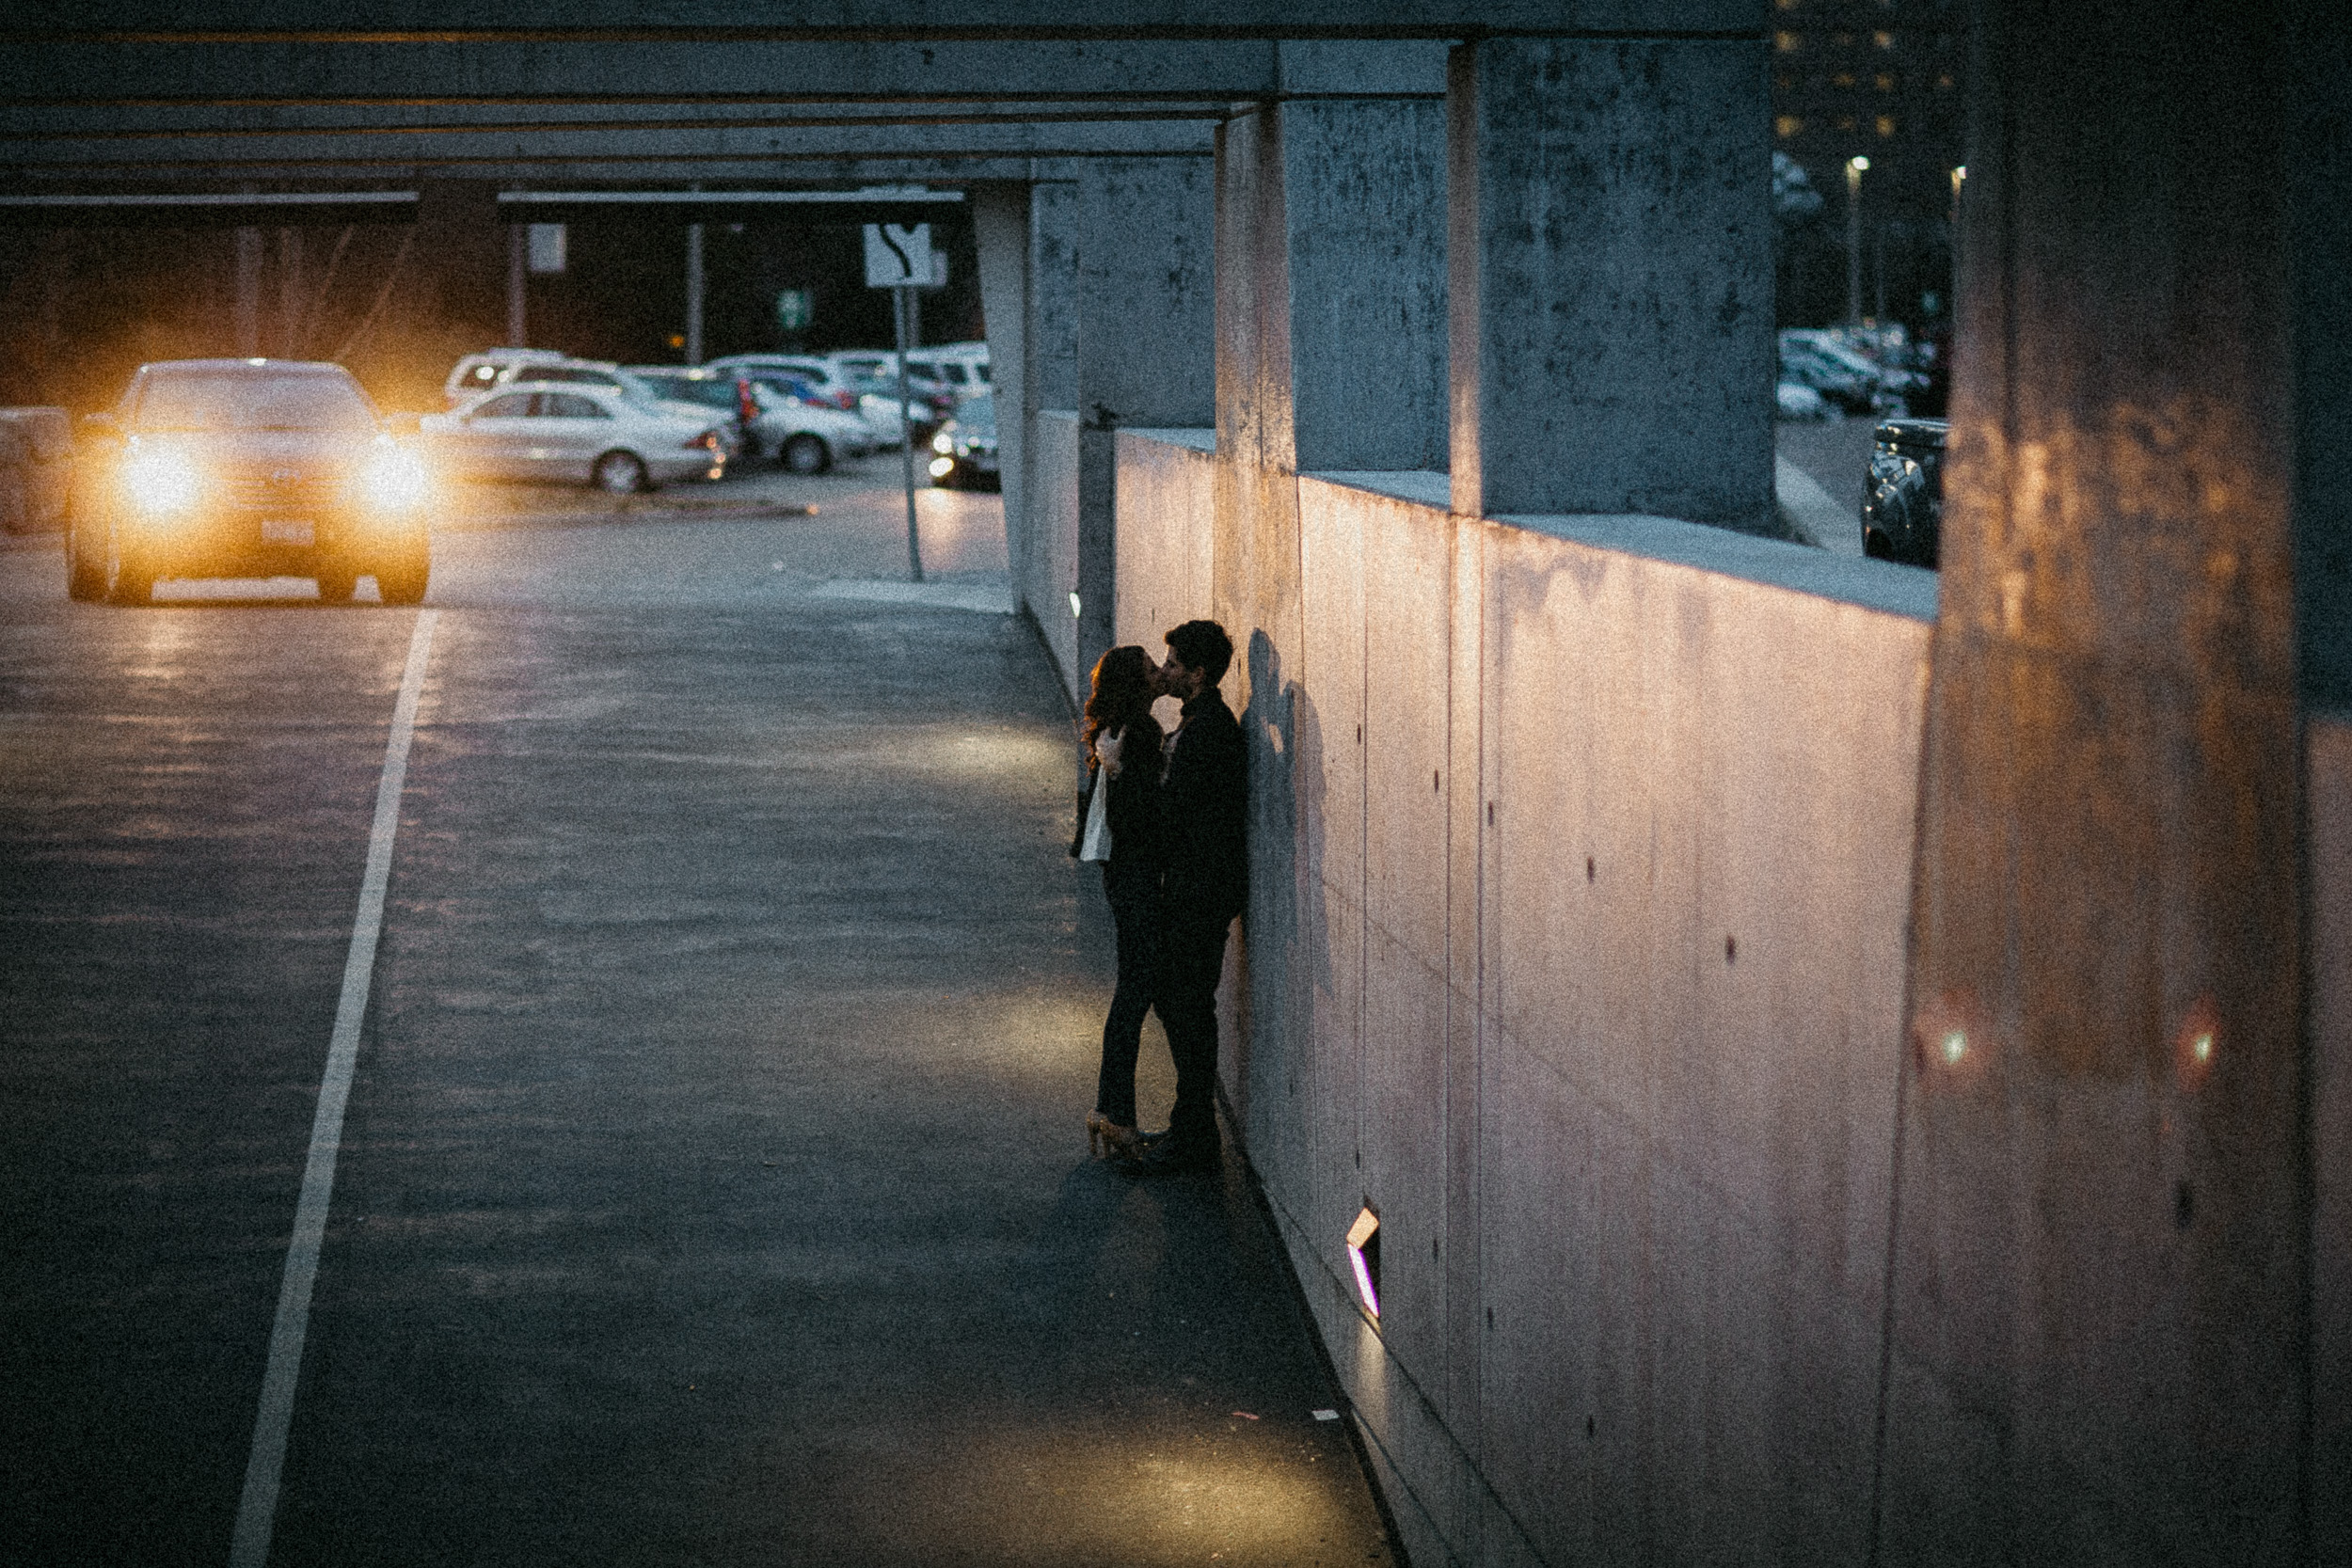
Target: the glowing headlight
pixel 943 467
pixel 393 479
pixel 159 479
pixel 943 442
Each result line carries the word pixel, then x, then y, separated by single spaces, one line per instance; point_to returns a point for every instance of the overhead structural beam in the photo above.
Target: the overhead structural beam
pixel 244 155
pixel 135 124
pixel 560 71
pixel 906 20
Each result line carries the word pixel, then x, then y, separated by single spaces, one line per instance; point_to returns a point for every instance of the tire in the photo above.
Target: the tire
pixel 620 473
pixel 402 580
pixel 337 582
pixel 805 454
pixel 130 578
pixel 85 580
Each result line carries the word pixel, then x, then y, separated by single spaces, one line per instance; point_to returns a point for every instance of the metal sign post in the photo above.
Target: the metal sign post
pixel 899 258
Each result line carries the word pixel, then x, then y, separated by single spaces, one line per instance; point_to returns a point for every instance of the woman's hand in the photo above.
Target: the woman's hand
pixel 1107 752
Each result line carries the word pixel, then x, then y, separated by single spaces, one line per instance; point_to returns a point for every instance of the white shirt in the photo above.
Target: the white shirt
pixel 1097 843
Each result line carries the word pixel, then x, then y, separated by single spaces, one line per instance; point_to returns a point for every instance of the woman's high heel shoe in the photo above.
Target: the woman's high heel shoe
pixel 1106 1136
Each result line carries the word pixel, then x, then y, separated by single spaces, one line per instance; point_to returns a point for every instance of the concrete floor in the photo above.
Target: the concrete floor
pixel 712 1189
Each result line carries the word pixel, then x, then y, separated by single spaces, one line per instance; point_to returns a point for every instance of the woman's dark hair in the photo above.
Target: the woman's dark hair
pixel 1203 646
pixel 1121 696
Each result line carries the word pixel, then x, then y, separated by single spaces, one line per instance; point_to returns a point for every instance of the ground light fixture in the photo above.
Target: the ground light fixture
pixel 1363 1251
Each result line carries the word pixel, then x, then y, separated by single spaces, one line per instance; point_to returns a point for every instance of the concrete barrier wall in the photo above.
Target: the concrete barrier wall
pixel 1575 951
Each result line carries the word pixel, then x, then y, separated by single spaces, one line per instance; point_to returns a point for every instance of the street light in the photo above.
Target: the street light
pixel 1855 166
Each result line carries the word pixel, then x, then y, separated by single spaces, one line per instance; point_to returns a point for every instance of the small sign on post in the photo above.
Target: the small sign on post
pixel 899 257
pixel 897 254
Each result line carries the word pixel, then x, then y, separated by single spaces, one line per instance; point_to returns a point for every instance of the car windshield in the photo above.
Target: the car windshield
pixel 245 400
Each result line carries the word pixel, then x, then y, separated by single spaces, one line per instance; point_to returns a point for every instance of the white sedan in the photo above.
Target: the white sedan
pixel 577 434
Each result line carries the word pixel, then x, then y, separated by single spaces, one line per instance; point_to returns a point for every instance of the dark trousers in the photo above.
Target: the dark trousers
pixel 1136 919
pixel 1195 941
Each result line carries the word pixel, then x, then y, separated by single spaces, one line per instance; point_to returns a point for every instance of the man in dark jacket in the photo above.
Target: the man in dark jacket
pixel 1205 798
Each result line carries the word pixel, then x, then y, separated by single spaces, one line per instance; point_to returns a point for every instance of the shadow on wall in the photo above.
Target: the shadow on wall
pixel 1269 1006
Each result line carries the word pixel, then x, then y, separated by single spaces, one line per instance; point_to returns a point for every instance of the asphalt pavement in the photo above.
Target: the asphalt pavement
pixel 712 1188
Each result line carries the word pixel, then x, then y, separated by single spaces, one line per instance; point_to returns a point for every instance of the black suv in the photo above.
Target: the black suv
pixel 246 467
pixel 1902 497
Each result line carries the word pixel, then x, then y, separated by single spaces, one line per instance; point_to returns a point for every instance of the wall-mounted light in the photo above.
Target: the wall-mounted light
pixel 1074 604
pixel 1363 1251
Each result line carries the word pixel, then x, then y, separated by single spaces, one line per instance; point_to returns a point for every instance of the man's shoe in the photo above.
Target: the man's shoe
pixel 1169 1156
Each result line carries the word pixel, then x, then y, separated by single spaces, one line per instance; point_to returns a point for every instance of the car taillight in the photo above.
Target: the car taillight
pixel 707 441
pixel 746 406
pixel 846 401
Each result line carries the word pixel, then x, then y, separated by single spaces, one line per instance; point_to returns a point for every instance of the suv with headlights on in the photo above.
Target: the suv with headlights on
pixel 246 467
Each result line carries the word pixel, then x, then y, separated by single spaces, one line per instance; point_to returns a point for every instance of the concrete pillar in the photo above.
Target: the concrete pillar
pixel 517 283
pixel 288 333
pixel 248 313
pixel 1000 223
pixel 694 293
pixel 2320 174
pixel 1611 278
pixel 2101 1272
pixel 1146 341
pixel 1331 287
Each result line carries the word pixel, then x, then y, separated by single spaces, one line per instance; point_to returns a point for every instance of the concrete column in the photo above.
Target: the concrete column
pixel 1331 287
pixel 248 314
pixel 1046 573
pixel 1000 222
pixel 1611 278
pixel 517 283
pixel 1146 341
pixel 2099 1282
pixel 288 333
pixel 694 293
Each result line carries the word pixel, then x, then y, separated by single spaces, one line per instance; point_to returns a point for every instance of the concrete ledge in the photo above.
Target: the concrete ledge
pixel 1193 441
pixel 1880 585
pixel 1425 486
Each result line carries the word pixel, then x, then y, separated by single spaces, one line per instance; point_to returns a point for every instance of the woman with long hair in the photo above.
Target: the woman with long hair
pixel 1119 827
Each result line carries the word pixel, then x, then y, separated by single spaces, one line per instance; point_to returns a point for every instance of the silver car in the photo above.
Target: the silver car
pixel 576 433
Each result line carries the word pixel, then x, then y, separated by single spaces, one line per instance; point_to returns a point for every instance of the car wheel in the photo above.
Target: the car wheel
pixel 805 454
pixel 337 582
pixel 402 580
pixel 129 580
pixel 85 578
pixel 619 473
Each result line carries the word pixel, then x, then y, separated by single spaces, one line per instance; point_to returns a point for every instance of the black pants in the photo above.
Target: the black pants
pixel 1135 917
pixel 1195 941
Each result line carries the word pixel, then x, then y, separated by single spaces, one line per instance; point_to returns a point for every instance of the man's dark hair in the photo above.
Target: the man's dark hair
pixel 1203 646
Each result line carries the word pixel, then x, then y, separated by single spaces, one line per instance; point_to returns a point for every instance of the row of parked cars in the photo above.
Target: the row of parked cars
pixel 803 412
pixel 1826 372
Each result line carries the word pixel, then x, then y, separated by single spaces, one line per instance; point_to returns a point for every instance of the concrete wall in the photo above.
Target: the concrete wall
pixel 2329 758
pixel 1615 1064
pixel 1050 574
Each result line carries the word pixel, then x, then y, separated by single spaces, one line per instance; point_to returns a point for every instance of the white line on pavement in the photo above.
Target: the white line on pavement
pixel 257 1512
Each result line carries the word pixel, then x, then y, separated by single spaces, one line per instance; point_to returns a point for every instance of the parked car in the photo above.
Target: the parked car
pixel 579 433
pixel 804 432
pixel 929 402
pixel 1843 373
pixel 479 372
pixel 715 393
pixel 966 449
pixel 1902 497
pixel 823 382
pixel 1800 401
pixel 246 467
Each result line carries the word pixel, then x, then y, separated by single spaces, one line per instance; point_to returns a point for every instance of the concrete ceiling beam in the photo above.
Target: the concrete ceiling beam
pixel 913 21
pixel 133 123
pixel 563 70
pixel 241 157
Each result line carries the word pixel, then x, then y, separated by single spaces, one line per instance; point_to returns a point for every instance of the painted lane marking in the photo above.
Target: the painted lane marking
pixel 257 1511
